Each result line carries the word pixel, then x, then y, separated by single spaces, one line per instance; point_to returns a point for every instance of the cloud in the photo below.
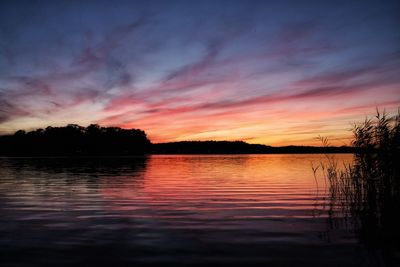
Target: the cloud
pixel 377 69
pixel 26 86
pixel 94 57
pixel 59 86
pixel 18 98
pixel 195 70
pixel 9 110
pixel 320 88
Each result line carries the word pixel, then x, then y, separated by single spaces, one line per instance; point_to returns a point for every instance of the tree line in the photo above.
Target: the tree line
pixel 94 140
pixel 73 140
pixel 239 147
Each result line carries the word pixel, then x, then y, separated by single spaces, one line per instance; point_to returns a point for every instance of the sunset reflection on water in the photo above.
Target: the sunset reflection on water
pixel 176 209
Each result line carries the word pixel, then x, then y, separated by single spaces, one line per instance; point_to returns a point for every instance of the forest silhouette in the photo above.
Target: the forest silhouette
pixel 73 140
pixel 94 140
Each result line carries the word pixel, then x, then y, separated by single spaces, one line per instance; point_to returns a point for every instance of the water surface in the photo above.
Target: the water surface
pixel 179 209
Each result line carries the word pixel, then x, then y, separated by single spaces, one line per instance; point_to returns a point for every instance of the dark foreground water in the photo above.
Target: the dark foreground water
pixel 259 210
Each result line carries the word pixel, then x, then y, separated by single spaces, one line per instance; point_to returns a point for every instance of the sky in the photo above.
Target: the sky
pixel 269 72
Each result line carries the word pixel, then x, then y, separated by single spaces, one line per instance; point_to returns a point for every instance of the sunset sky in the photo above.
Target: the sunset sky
pixel 270 72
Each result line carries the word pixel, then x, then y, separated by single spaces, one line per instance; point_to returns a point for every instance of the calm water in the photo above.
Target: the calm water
pixel 181 210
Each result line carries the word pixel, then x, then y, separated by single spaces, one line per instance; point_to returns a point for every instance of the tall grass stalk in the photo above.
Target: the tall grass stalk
pixel 368 190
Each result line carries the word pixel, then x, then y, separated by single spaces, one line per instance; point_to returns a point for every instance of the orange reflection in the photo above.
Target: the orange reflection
pixel 234 186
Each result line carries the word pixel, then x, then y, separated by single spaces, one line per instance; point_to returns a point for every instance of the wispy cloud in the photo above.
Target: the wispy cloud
pixel 198 71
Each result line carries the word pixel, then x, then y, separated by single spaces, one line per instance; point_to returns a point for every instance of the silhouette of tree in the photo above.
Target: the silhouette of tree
pixel 74 139
pixel 238 147
pixel 95 140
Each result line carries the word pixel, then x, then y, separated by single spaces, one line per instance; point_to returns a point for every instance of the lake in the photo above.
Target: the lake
pixel 180 210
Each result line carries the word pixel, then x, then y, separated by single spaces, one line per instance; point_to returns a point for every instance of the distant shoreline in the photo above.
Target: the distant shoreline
pixel 148 155
pixel 195 148
pixel 239 147
pixel 96 141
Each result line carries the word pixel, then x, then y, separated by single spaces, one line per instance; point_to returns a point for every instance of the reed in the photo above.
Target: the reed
pixel 367 192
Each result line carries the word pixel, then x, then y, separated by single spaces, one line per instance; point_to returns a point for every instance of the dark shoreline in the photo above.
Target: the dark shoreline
pixel 92 141
pixel 153 154
pixel 239 147
pixel 266 150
